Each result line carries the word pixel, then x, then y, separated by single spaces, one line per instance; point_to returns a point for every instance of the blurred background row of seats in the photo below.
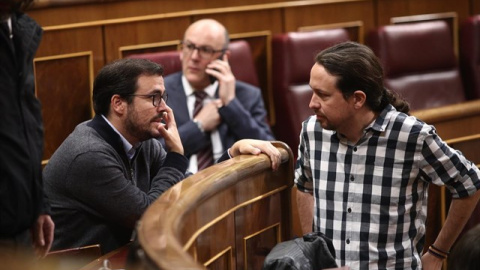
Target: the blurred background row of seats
pixel 419 60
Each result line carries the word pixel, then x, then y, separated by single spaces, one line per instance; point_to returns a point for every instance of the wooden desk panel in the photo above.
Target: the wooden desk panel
pixel 229 215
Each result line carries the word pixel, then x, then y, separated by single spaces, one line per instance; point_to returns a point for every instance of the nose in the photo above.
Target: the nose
pixel 195 53
pixel 162 106
pixel 314 104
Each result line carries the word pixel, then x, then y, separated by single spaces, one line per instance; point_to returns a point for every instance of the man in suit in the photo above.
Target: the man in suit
pixel 212 109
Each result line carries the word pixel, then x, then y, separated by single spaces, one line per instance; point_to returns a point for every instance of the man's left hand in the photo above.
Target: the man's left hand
pixel 255 147
pixel 42 235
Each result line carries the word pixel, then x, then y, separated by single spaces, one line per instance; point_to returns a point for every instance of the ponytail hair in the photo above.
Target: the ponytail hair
pixel 393 98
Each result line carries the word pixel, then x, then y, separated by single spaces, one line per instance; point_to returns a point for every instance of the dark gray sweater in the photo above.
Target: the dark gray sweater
pixel 96 193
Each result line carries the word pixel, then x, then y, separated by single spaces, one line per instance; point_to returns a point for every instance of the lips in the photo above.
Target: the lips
pixel 320 117
pixel 194 69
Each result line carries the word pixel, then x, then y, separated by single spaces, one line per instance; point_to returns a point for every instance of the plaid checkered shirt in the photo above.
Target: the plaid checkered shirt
pixel 370 198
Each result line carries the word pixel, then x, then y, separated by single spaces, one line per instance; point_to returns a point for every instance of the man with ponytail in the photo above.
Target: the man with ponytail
pixel 364 166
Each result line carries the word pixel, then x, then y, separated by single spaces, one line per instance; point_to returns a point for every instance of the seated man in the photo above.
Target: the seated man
pixel 111 168
pixel 212 109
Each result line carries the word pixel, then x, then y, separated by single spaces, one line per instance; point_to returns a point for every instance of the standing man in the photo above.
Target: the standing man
pixel 111 168
pixel 364 167
pixel 212 109
pixel 24 210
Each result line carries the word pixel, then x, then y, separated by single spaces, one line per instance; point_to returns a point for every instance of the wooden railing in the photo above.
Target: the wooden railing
pixel 228 216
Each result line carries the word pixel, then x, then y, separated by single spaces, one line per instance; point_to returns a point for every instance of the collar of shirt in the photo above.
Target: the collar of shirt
pixel 129 148
pixel 210 90
pixel 381 122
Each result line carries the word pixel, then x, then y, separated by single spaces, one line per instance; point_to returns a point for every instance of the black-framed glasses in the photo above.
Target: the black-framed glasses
pixel 156 98
pixel 203 51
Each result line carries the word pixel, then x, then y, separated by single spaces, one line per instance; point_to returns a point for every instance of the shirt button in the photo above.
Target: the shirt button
pixel 352 178
pixel 348 241
pixel 355 149
pixel 349 210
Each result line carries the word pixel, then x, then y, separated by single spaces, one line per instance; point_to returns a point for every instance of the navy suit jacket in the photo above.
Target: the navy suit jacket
pixel 243 118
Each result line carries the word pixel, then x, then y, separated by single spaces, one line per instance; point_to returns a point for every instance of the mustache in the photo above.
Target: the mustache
pixel 160 116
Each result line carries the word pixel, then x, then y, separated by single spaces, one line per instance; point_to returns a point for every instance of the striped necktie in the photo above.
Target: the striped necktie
pixel 205 155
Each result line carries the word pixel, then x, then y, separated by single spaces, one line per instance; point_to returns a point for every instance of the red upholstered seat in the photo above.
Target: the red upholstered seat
pixel 293 57
pixel 419 62
pixel 241 61
pixel 470 56
pixel 170 60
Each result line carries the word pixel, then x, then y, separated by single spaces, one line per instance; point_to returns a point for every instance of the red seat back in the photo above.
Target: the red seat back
pixel 293 57
pixel 470 56
pixel 419 63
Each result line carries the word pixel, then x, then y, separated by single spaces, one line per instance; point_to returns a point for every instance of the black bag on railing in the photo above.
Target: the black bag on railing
pixel 312 251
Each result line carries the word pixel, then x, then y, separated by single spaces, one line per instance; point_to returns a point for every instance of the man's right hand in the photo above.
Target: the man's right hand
pixel 170 134
pixel 209 116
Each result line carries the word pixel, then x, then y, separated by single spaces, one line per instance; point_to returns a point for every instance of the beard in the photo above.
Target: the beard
pixel 134 127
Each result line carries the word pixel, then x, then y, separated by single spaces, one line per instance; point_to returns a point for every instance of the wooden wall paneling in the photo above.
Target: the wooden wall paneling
pixel 258 230
pixel 355 29
pixel 59 40
pixel 247 21
pixel 217 253
pixel 386 9
pixel 258 245
pixel 224 260
pixel 64 104
pixel 204 222
pixel 66 13
pixel 474 7
pixel 119 35
pixel 170 45
pixel 331 13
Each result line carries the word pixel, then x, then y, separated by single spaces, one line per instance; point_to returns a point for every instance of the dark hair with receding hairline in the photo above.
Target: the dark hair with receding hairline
pixel 357 68
pixel 120 78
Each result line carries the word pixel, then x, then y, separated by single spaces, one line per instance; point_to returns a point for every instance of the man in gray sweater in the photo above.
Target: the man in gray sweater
pixel 110 169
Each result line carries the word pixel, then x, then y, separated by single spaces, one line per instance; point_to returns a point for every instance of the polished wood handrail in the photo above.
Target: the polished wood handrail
pixel 158 230
pixel 473 137
pixel 448 113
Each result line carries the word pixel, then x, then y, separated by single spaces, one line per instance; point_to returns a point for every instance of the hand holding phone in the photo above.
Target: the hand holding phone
pixel 213 78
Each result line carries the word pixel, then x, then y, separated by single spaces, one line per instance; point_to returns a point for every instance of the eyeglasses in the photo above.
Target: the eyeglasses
pixel 203 51
pixel 156 98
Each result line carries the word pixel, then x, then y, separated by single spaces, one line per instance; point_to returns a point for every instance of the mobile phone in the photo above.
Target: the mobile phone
pixel 213 78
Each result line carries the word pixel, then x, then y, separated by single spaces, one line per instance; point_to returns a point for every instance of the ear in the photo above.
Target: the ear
pixel 359 98
pixel 227 53
pixel 118 105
